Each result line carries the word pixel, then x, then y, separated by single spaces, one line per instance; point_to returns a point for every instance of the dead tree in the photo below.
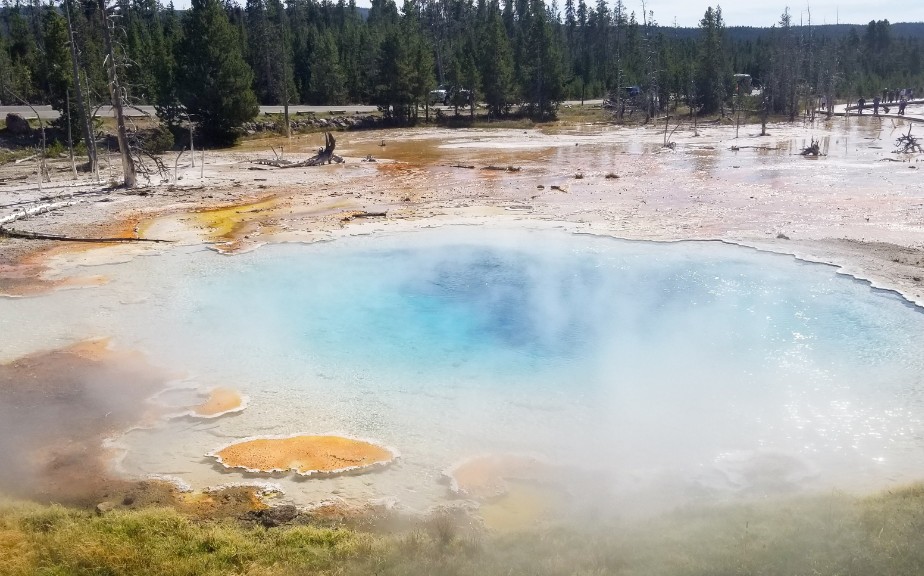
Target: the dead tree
pixel 115 95
pixel 324 156
pixel 907 144
pixel 814 150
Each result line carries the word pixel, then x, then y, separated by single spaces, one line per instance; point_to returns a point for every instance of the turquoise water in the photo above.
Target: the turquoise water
pixel 714 368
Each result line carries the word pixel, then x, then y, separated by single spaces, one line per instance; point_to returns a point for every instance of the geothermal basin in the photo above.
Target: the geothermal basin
pixel 637 371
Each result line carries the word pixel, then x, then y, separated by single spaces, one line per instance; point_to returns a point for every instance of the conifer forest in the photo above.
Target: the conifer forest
pixel 213 63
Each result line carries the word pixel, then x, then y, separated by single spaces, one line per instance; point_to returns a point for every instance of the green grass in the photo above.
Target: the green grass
pixel 10 155
pixel 825 535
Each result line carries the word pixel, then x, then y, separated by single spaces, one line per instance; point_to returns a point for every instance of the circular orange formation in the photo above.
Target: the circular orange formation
pixel 220 401
pixel 306 455
pixel 485 477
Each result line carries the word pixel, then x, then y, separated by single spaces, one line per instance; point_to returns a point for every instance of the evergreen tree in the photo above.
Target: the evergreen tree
pixel 496 64
pixel 421 54
pixel 327 79
pixel 543 90
pixel 470 80
pixel 394 87
pixel 23 57
pixel 214 82
pixel 712 74
pixel 57 71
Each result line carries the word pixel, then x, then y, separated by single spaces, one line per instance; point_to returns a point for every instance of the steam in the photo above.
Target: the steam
pixel 652 374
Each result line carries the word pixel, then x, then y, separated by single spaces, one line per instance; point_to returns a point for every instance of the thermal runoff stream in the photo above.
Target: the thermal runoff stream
pixel 695 369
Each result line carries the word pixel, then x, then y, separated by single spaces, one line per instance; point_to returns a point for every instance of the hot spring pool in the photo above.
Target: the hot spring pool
pixel 701 368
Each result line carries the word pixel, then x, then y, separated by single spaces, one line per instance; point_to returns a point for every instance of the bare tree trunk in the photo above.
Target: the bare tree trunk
pixel 765 112
pixel 81 108
pixel 115 95
pixel 285 82
pixel 737 113
pixel 70 136
pixel 89 117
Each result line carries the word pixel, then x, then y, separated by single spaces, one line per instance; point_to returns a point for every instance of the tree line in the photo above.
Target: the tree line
pixel 210 65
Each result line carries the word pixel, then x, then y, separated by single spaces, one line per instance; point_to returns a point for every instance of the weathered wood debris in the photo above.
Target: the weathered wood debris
pixel 907 144
pixel 324 156
pixel 23 235
pixel 813 150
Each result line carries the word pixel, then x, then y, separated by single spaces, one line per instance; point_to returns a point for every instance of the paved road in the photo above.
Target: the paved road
pixel 48 114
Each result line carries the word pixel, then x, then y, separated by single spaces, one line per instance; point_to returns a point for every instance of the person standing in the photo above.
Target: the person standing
pixel 876 101
pixel 901 106
pixel 860 104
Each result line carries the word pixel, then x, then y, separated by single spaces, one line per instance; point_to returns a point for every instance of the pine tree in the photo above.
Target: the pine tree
pixel 712 74
pixel 470 80
pixel 496 64
pixel 394 89
pixel 214 82
pixel 543 72
pixel 327 79
pixel 57 70
pixel 421 55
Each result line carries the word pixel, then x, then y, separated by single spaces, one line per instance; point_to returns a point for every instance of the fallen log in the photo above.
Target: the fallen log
pixel 324 156
pixel 357 215
pixel 503 168
pixel 274 163
pixel 25 159
pixel 10 233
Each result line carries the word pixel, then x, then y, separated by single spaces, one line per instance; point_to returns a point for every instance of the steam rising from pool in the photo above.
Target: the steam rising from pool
pixel 698 370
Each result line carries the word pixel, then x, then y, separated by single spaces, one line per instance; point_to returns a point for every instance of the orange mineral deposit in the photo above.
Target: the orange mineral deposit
pixel 305 455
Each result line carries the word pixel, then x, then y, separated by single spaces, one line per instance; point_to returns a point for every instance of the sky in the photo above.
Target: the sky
pixel 760 13
pixel 767 12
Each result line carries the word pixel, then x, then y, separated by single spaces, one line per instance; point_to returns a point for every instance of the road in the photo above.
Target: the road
pixel 46 113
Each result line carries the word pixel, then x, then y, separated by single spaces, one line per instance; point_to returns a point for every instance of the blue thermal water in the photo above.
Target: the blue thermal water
pixel 723 367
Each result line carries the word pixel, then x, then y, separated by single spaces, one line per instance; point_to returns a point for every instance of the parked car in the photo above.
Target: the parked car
pixel 439 96
pixel 633 91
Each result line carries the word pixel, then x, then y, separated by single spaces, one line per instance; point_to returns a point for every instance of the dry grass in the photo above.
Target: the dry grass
pixel 826 535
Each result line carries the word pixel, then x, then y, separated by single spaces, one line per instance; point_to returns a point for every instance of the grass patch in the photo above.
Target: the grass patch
pixel 825 535
pixel 586 114
pixel 8 155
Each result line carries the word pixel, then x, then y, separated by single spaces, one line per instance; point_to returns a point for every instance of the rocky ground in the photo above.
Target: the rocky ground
pixel 859 205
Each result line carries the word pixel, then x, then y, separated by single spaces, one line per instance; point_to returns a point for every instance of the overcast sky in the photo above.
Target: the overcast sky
pixel 759 13
pixel 767 12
